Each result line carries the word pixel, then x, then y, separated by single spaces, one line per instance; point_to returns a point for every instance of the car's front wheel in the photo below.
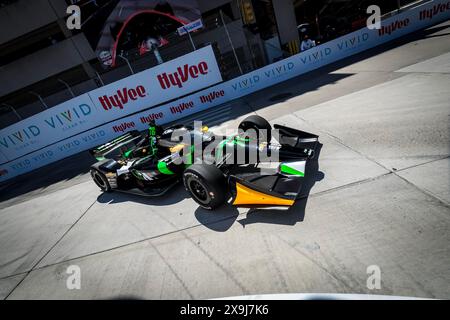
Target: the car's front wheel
pixel 206 184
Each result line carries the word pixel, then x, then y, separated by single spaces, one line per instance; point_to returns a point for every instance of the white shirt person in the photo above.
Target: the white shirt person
pixel 307 43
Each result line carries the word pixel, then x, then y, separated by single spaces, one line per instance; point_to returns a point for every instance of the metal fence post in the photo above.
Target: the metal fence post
pixel 40 99
pixel 190 38
pixel 68 87
pixel 128 63
pixel 100 78
pixel 231 42
pixel 13 110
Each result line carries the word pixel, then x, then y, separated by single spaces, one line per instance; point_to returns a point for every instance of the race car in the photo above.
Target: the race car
pixel 254 167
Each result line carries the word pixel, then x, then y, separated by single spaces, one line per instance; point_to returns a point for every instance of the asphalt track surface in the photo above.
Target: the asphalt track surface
pixel 379 195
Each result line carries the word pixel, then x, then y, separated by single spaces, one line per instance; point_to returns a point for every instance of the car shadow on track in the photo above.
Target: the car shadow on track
pixel 227 215
pixel 219 220
pixel 174 195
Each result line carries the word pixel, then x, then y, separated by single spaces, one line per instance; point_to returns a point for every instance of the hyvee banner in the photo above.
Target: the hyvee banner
pixel 409 21
pixel 167 81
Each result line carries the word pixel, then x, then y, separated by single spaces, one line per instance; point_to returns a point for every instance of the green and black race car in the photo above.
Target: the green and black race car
pixel 250 168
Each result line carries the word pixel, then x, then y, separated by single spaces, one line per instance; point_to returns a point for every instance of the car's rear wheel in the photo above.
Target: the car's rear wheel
pixel 206 184
pixel 260 126
pixel 100 180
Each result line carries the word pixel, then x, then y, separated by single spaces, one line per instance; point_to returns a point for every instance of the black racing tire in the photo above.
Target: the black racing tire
pixel 100 180
pixel 260 125
pixel 206 184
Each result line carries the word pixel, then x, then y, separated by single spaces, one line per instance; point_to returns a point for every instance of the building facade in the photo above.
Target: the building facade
pixel 44 63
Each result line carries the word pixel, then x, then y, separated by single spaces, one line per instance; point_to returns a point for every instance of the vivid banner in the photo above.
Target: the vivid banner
pixel 60 122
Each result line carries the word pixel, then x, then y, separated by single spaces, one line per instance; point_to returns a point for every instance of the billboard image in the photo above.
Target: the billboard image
pixel 117 27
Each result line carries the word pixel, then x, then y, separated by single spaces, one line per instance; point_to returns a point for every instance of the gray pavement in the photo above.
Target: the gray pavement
pixel 379 196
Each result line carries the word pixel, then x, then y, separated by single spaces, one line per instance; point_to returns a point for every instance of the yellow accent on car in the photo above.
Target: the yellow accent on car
pixel 176 148
pixel 247 196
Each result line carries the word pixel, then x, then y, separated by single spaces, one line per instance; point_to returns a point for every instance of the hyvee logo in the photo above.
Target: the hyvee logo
pixel 181 107
pixel 394 26
pixel 210 97
pixel 151 117
pixel 437 9
pixel 124 126
pixel 122 97
pixel 182 75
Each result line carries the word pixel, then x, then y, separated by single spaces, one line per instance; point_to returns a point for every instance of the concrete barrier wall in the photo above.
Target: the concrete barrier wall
pixel 409 21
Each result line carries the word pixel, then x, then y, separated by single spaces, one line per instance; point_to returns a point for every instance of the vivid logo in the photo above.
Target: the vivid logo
pixel 59 120
pixel 246 83
pixel 122 97
pixel 67 117
pixel 20 136
pixel 316 56
pixel 43 156
pixel 279 70
pixel 182 75
pixel 24 164
pixel 352 42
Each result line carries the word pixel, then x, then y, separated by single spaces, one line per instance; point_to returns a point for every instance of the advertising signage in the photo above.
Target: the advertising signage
pixel 67 119
pixel 178 77
pixel 193 26
pixel 168 81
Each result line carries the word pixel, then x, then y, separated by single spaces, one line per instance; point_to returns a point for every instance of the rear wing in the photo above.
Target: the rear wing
pixel 296 144
pixel 116 146
pixel 296 138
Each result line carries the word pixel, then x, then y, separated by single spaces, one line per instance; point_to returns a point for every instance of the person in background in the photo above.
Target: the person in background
pixel 307 43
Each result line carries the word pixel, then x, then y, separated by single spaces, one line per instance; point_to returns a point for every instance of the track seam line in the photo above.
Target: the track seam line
pixel 381 165
pixel 40 195
pixel 317 264
pixel 191 227
pixel 51 248
pixel 132 243
pixel 227 273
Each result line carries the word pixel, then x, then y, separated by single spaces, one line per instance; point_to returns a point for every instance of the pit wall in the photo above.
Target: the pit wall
pixel 108 121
